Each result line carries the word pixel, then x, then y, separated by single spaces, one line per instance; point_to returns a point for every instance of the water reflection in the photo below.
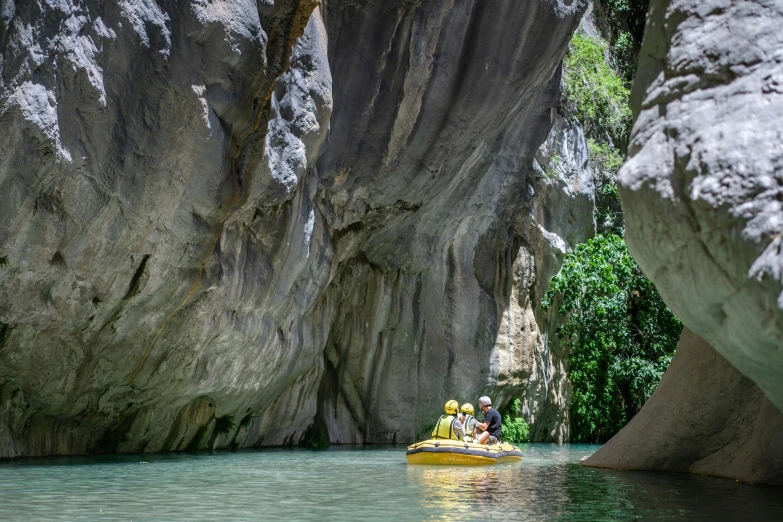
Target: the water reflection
pixel 550 484
pixel 458 491
pixel 651 495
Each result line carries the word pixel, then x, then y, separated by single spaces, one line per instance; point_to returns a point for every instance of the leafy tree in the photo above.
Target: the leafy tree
pixel 620 335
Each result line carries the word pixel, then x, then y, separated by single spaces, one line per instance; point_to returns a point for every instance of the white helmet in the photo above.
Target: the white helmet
pixel 485 401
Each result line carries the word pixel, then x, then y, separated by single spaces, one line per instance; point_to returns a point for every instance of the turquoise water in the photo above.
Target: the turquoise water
pixel 372 483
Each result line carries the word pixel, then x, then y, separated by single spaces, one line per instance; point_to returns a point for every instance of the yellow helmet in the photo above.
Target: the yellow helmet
pixel 452 406
pixel 467 409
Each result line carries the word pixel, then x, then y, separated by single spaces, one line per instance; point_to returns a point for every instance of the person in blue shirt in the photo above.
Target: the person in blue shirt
pixel 493 431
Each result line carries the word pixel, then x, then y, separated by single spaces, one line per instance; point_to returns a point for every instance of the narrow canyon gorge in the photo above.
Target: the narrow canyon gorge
pixel 233 224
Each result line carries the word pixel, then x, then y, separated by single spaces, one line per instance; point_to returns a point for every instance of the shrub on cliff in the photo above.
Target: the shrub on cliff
pixel 598 96
pixel 515 429
pixel 606 161
pixel 620 335
pixel 626 23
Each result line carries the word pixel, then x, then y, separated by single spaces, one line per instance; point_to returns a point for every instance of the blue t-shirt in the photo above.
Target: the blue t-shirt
pixel 493 418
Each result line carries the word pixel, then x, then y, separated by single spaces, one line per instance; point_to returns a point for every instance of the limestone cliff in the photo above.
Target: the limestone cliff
pixel 701 188
pixel 701 193
pixel 204 245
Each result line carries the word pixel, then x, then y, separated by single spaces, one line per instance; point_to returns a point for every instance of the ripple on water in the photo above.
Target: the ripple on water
pixel 372 483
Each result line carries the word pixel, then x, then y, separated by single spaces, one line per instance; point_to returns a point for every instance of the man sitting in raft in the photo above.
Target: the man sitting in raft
pixel 493 432
pixel 448 426
pixel 470 422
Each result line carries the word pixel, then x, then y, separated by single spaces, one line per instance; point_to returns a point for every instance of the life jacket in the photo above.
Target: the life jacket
pixel 444 428
pixel 468 431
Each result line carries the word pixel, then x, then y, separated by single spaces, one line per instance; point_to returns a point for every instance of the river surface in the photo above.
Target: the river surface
pixel 370 483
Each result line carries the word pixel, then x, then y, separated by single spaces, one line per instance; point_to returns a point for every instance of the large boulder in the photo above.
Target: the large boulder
pixel 703 186
pixel 703 198
pixel 705 417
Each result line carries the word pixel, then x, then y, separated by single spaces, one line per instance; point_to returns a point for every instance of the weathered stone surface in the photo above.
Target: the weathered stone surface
pixel 129 134
pixel 702 187
pixel 423 192
pixel 705 417
pixel 560 217
pixel 193 234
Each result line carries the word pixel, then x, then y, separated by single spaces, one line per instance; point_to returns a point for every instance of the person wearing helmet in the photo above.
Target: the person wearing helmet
pixel 448 426
pixel 493 431
pixel 470 422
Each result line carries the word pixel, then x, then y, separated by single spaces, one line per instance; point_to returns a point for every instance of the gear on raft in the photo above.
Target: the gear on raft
pixel 454 452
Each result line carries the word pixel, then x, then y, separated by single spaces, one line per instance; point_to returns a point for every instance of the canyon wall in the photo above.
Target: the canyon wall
pixel 243 223
pixel 705 417
pixel 702 197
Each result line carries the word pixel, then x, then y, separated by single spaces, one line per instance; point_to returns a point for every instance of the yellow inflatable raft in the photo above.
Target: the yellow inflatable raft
pixel 454 452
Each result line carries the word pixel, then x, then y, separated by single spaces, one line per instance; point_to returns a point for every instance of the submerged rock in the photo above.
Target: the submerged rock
pixel 204 247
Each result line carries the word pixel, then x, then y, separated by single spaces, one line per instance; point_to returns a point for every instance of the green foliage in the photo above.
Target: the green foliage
pixel 315 439
pixel 96 301
pixel 247 419
pixel 224 425
pixel 605 157
pixel 601 103
pixel 626 22
pixel 551 168
pixel 620 335
pixel 605 161
pixel 515 429
pixel 600 97
pixel 624 51
pixel 3 262
pixel 608 211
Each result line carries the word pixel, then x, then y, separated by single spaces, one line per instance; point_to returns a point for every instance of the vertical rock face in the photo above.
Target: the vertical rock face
pixel 202 248
pixel 702 187
pixel 704 417
pixel 130 134
pixel 560 217
pixel 701 193
pixel 435 210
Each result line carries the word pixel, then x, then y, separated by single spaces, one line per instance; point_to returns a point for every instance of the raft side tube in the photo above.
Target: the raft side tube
pixel 434 451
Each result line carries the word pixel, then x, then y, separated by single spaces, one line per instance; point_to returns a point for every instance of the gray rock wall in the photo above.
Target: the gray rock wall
pixel 705 417
pixel 435 209
pixel 128 132
pixel 559 218
pixel 701 194
pixel 702 187
pixel 205 248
